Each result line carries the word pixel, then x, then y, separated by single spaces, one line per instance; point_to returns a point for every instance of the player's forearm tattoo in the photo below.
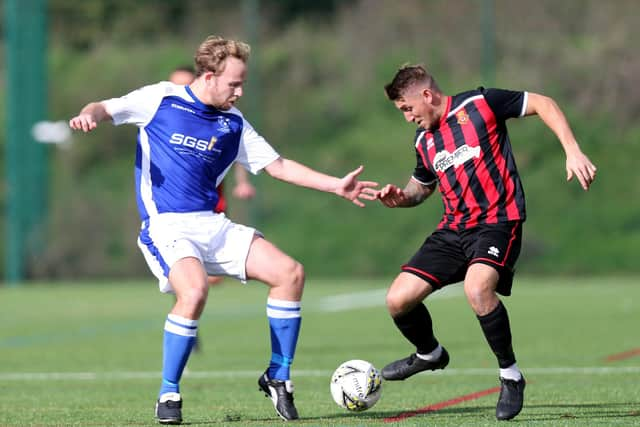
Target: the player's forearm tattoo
pixel 416 193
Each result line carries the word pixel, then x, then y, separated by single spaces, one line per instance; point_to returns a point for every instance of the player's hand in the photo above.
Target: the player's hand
pixel 352 189
pixel 392 196
pixel 580 166
pixel 84 122
pixel 244 191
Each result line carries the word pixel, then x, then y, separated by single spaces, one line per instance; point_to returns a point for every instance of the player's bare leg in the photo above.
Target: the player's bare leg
pixel 406 291
pixel 404 302
pixel 479 286
pixel 285 278
pixel 188 280
pixel 211 281
pixel 268 264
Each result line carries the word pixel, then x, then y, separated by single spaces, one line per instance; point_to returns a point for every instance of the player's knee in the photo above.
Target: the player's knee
pixel 289 282
pixel 296 275
pixel 194 297
pixel 481 298
pixel 397 303
pixel 476 291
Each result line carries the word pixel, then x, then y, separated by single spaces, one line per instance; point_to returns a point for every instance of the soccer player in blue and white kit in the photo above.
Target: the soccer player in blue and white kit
pixel 188 138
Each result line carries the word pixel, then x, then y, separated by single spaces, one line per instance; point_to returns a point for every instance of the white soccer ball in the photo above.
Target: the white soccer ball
pixel 356 385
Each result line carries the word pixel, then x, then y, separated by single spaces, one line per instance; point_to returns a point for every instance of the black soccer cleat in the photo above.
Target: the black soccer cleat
pixel 281 394
pixel 404 368
pixel 511 398
pixel 169 409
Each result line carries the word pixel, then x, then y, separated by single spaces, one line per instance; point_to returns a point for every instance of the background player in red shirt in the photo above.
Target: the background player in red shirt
pixel 462 146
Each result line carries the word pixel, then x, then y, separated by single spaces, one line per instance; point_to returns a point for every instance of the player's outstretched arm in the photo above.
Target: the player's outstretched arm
pixel 348 187
pixel 89 117
pixel 578 164
pixel 413 194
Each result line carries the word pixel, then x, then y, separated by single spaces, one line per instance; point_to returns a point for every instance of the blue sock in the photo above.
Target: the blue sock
pixel 179 337
pixel 284 323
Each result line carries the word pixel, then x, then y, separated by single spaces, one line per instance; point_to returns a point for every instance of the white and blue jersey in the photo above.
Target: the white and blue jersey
pixel 185 147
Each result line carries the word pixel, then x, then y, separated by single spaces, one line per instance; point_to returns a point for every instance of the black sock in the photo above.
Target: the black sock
pixel 417 328
pixel 497 331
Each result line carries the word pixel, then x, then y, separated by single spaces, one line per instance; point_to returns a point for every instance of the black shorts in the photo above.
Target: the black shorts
pixel 446 254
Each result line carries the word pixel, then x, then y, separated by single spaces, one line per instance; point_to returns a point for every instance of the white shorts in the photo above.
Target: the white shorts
pixel 221 245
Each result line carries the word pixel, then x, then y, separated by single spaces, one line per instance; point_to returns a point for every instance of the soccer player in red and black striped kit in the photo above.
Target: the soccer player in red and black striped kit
pixel 462 146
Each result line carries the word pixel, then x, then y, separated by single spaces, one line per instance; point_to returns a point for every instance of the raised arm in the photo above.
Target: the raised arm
pixel 413 194
pixel 578 164
pixel 348 187
pixel 89 117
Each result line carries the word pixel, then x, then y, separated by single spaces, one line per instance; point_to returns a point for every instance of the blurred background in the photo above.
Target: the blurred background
pixel 315 92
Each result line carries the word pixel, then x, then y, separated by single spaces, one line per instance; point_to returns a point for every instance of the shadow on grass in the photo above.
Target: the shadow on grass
pixel 583 410
pixel 543 412
pixel 348 418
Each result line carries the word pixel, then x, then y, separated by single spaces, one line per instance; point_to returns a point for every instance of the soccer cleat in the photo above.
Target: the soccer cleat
pixel 169 409
pixel 404 368
pixel 281 394
pixel 511 398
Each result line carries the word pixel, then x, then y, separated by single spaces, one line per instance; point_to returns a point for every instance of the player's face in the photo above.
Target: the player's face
pixel 226 88
pixel 416 106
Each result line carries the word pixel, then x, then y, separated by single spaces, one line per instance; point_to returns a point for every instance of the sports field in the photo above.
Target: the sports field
pixel 89 354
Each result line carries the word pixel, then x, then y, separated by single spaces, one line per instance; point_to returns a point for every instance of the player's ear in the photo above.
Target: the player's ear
pixel 427 95
pixel 208 77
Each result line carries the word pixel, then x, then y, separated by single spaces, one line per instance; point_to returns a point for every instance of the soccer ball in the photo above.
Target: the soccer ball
pixel 356 385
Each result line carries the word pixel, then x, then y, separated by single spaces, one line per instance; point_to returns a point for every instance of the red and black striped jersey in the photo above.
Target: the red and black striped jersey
pixel 469 154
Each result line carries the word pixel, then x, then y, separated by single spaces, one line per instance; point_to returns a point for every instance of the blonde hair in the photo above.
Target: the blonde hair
pixel 213 52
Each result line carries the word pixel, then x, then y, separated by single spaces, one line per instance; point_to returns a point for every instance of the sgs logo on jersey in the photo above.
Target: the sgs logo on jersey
pixel 193 142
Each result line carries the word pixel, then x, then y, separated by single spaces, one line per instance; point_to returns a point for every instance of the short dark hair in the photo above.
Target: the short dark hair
pixel 405 77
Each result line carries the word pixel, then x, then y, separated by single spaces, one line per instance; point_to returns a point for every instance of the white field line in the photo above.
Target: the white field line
pixel 132 375
pixel 373 298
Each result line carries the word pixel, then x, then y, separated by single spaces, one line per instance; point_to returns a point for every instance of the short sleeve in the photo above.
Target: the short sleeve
pixel 421 173
pixel 137 107
pixel 254 153
pixel 506 104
